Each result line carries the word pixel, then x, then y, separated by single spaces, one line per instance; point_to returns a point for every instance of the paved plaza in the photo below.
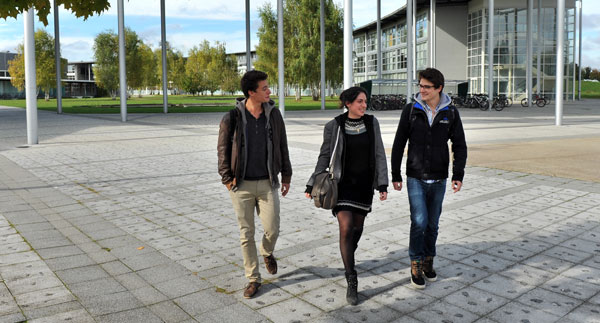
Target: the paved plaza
pixel 106 221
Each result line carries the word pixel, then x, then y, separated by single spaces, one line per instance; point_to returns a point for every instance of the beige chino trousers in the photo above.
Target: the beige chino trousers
pixel 259 195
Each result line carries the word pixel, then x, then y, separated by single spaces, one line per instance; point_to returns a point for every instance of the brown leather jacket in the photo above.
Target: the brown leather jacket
pixel 231 146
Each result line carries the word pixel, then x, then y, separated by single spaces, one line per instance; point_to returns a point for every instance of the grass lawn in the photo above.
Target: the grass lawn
pixel 590 90
pixel 153 104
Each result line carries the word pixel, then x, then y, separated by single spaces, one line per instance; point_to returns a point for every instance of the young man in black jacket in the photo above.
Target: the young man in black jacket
pixel 253 151
pixel 428 124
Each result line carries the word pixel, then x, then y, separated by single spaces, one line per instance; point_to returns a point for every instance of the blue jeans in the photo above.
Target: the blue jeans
pixel 425 209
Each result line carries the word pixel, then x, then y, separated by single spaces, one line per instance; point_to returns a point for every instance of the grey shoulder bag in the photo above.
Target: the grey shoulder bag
pixel 325 188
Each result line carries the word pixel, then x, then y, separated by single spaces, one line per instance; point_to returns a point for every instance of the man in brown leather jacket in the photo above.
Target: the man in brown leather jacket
pixel 252 150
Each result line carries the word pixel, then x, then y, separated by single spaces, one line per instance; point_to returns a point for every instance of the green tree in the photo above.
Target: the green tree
pixel 595 74
pixel 175 68
pixel 81 8
pixel 106 68
pixel 231 78
pixel 45 64
pixel 148 67
pixel 106 54
pixel 194 71
pixel 302 43
pixel 585 73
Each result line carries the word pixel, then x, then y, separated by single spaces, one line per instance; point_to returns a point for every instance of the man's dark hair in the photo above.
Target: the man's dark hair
pixel 250 81
pixel 350 94
pixel 434 76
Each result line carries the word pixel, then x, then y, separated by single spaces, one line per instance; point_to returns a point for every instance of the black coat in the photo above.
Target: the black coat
pixel 428 154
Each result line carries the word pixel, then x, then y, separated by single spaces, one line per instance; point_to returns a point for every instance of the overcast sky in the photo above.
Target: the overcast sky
pixel 191 21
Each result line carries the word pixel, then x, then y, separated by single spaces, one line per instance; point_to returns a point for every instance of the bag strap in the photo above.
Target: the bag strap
pixel 332 159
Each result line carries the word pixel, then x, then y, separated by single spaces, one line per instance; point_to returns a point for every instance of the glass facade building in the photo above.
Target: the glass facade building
pixel 469 55
pixel 510 51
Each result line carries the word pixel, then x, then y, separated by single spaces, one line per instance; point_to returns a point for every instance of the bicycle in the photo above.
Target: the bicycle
pixel 540 101
pixel 499 102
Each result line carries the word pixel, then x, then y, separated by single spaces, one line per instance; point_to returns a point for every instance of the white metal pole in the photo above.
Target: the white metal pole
pixel 248 51
pixel 409 50
pixel 560 57
pixel 163 44
pixel 574 52
pixel 122 70
pixel 30 81
pixel 57 60
pixel 490 55
pixel 280 65
pixel 322 54
pixel 579 60
pixel 348 43
pixel 379 39
pixel 539 37
pixel 432 28
pixel 529 60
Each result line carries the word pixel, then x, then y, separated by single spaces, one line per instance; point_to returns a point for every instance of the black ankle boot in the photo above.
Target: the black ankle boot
pixel 352 292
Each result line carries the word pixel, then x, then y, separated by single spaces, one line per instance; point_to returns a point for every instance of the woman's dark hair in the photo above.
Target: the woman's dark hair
pixel 434 76
pixel 350 94
pixel 250 81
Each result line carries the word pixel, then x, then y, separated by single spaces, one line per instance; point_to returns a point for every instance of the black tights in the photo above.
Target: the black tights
pixel 351 228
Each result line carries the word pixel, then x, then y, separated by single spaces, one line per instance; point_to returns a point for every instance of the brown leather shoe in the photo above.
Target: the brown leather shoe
pixel 271 264
pixel 251 289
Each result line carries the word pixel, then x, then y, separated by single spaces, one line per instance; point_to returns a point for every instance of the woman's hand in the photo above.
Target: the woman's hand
pixel 307 195
pixel 382 196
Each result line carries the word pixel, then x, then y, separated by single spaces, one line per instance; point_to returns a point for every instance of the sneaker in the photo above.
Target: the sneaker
pixel 251 289
pixel 416 274
pixel 271 264
pixel 428 271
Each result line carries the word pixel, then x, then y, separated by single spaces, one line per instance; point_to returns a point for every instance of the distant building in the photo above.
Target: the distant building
pixel 7 90
pixel 80 80
pixel 241 60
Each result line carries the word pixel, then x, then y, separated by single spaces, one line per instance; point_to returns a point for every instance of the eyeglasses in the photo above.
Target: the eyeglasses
pixel 427 87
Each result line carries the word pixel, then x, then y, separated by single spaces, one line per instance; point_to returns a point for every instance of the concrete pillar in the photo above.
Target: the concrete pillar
pixel 432 28
pixel 490 53
pixel 580 33
pixel 248 51
pixel 30 80
pixel 560 58
pixel 163 45
pixel 410 49
pixel 529 60
pixel 122 75
pixel 348 43
pixel 322 22
pixel 57 60
pixel 379 39
pixel 280 66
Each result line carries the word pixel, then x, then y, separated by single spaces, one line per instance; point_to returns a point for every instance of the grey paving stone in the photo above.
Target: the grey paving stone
pixel 475 300
pixel 571 287
pixel 51 310
pixel 516 312
pixel 81 274
pixel 115 268
pixel 328 298
pixel 203 301
pixel 79 315
pixel 56 252
pixel 131 281
pixel 50 242
pixel 44 297
pixel 110 303
pixel 12 317
pixel 548 301
pixel 440 311
pixel 149 295
pixel 503 286
pixel 161 273
pixel 135 315
pixel 100 286
pixel 232 313
pixel 403 299
pixel 182 286
pixel 146 260
pixel 169 312
pixel 290 310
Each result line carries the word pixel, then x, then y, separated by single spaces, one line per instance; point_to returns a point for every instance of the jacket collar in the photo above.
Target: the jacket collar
pixel 445 101
pixel 240 104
